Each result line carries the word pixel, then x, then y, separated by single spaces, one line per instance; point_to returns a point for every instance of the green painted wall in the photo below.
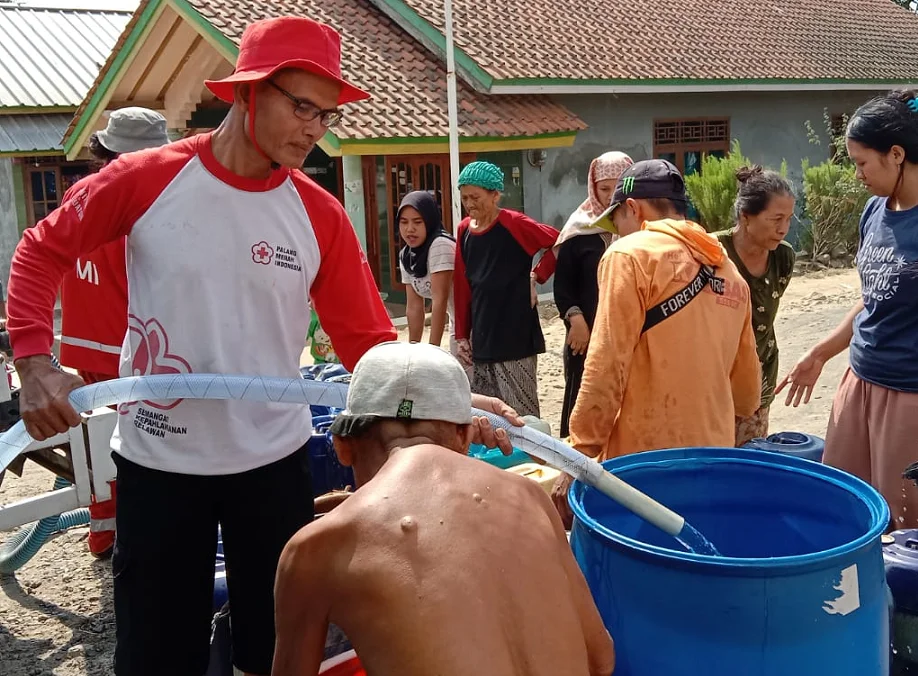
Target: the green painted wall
pixel 352 168
pixel 9 225
pixel 19 197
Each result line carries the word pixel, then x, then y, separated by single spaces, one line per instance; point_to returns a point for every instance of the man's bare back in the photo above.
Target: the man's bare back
pixel 441 564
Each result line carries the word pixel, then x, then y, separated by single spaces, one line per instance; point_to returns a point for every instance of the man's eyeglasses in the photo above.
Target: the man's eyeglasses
pixel 308 111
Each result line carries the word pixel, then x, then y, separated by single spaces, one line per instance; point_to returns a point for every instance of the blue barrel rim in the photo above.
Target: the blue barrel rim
pixel 876 507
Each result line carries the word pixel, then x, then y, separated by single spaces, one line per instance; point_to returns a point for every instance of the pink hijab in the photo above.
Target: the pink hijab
pixel 607 166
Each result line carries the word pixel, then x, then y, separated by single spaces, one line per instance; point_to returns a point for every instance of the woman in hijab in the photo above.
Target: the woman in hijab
pixel 578 249
pixel 427 261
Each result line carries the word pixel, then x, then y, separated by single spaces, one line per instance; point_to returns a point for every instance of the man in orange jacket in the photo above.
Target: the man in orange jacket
pixel 672 356
pixel 94 296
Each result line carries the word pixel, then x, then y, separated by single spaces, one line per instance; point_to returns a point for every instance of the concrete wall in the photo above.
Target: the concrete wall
pixel 9 219
pixel 353 196
pixel 769 126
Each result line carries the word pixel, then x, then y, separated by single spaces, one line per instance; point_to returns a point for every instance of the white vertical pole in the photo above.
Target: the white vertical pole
pixel 453 113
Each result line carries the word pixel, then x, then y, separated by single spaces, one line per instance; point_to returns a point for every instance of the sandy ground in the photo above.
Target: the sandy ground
pixel 56 613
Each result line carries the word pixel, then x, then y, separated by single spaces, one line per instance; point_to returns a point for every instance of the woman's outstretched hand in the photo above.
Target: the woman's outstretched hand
pixel 802 379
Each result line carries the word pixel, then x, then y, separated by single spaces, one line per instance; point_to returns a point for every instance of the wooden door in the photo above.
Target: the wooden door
pixel 371 211
pixel 405 174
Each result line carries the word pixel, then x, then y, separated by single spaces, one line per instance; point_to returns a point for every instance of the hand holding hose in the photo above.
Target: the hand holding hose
pixel 485 434
pixel 43 400
pixel 559 493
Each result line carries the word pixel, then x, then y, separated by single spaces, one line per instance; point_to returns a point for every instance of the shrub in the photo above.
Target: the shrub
pixel 713 189
pixel 834 198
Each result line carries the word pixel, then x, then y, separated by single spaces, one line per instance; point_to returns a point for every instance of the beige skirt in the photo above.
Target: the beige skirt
pixel 873 434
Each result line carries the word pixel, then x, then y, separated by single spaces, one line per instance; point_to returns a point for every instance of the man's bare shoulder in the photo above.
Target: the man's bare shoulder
pixel 315 546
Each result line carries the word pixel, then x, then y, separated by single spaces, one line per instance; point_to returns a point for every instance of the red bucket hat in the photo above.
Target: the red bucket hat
pixel 271 45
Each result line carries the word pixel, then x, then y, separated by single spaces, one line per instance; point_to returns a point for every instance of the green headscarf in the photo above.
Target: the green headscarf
pixel 484 175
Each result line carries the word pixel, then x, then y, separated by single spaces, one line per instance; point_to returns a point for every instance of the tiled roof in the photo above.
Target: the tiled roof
pixel 50 57
pixel 32 132
pixel 684 39
pixel 408 84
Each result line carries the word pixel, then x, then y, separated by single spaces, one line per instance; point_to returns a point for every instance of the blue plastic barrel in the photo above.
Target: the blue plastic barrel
pixel 328 474
pixel 800 588
pixel 791 443
pixel 900 552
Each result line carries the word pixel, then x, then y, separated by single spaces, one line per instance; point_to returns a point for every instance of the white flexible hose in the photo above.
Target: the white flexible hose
pixel 192 386
pixel 322 393
pixel 561 456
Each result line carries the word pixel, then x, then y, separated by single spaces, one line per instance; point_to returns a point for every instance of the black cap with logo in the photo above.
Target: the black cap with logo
pixel 645 180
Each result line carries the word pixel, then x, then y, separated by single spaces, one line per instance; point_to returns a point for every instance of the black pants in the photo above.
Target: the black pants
pixel 573 374
pixel 163 564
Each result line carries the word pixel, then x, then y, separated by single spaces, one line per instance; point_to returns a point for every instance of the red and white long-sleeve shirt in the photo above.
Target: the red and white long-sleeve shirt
pixel 491 286
pixel 94 300
pixel 220 272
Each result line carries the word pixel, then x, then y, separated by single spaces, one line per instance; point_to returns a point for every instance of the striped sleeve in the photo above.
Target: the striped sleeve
pixel 441 255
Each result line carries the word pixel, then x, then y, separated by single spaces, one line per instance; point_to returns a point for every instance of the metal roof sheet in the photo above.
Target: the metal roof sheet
pixel 34 132
pixel 50 57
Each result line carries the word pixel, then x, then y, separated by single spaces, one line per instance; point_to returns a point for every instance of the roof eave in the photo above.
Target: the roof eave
pixel 32 153
pixel 686 86
pixel 33 110
pixel 432 39
pixel 423 145
pixel 100 93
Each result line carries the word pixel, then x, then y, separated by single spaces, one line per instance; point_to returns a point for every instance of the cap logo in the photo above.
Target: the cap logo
pixel 404 409
pixel 627 184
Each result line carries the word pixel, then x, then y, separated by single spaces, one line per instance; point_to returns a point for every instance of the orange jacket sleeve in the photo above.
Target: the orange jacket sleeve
pixel 616 334
pixel 746 375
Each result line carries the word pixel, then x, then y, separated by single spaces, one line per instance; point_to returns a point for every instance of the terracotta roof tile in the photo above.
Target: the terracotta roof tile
pixel 684 39
pixel 408 84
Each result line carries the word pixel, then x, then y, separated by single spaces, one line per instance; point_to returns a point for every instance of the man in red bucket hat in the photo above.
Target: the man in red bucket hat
pixel 227 244
pixel 284 54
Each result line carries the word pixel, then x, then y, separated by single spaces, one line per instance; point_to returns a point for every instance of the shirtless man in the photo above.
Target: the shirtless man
pixel 439 563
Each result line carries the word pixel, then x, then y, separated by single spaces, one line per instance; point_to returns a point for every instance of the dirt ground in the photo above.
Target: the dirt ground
pixel 56 613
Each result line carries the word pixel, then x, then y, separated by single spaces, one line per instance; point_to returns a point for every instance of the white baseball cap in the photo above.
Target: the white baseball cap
pixel 132 129
pixel 406 382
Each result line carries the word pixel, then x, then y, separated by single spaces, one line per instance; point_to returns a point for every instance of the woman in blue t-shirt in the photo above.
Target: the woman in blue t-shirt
pixel 874 422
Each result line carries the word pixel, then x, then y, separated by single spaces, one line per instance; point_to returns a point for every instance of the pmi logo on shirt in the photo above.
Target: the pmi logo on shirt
pixel 79 202
pixel 281 257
